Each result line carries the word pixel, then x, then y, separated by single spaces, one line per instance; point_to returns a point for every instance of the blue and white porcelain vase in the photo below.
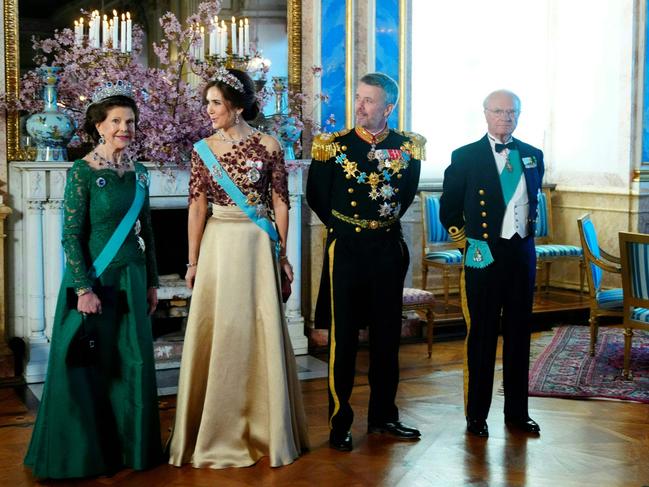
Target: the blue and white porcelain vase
pixel 51 129
pixel 280 124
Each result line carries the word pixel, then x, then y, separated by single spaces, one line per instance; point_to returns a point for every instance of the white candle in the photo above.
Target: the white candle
pixel 123 34
pixel 115 30
pixel 201 45
pixel 97 27
pixel 104 33
pixel 240 38
pixel 224 38
pixel 212 51
pixel 129 32
pixel 234 37
pixel 246 38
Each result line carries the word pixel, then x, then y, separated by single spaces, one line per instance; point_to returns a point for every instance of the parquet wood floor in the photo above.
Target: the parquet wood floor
pixel 594 443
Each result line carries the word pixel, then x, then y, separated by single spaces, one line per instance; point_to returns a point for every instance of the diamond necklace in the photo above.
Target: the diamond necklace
pixel 221 136
pixel 102 161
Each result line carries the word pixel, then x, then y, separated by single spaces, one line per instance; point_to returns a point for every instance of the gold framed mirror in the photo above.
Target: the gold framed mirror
pixel 12 63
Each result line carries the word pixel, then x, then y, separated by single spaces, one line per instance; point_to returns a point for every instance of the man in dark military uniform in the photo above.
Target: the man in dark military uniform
pixel 490 200
pixel 360 184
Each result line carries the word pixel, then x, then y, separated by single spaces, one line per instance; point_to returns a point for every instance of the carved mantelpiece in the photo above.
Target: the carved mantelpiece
pixel 36 258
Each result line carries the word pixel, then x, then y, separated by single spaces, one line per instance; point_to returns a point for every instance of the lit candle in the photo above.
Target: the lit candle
pixel 234 37
pixel 212 51
pixel 97 27
pixel 104 33
pixel 246 38
pixel 240 38
pixel 115 30
pixel 129 32
pixel 201 45
pixel 224 38
pixel 123 33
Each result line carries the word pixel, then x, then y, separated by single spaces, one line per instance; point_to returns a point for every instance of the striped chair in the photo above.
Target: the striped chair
pixel 602 302
pixel 438 250
pixel 634 250
pixel 547 251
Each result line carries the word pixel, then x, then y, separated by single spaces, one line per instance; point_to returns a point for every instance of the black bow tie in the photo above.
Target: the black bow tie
pixel 502 147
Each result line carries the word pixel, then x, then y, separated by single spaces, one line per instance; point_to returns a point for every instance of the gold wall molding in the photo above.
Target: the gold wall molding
pixel 12 75
pixel 641 175
pixel 349 63
pixel 403 54
pixel 294 29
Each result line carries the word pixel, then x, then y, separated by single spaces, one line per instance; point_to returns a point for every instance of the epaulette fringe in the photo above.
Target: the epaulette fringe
pixel 417 145
pixel 324 146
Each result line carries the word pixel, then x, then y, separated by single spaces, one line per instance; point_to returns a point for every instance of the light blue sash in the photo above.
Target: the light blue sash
pixel 221 177
pixel 116 240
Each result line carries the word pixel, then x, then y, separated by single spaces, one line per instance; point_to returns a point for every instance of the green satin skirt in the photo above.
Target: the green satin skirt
pixel 94 420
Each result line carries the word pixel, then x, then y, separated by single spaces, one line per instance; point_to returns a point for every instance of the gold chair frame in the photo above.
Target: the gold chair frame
pixel 630 301
pixel 425 248
pixel 543 266
pixel 609 263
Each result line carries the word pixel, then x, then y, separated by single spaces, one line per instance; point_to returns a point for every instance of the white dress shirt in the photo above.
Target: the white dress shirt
pixel 518 208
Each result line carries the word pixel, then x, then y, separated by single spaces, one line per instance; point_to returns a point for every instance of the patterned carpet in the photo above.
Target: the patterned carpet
pixel 566 369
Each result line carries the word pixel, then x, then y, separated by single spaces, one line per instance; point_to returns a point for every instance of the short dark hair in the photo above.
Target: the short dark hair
pixel 246 100
pixel 97 113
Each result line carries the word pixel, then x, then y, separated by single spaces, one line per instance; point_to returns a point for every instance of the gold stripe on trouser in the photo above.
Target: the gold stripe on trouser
pixel 332 336
pixel 467 318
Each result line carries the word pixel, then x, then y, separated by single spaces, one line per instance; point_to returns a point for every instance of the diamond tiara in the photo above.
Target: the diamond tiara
pixel 229 79
pixel 108 89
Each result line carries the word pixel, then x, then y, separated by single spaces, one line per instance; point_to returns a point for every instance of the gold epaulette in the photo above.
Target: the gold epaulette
pixel 324 146
pixel 416 145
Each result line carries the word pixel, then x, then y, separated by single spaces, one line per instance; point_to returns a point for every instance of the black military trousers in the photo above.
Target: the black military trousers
pixel 366 279
pixel 499 298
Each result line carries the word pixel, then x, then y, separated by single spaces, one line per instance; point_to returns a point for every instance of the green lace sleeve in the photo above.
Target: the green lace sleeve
pixel 147 236
pixel 75 225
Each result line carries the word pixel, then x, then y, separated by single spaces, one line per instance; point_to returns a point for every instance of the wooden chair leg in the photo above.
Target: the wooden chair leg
pixel 582 276
pixel 593 333
pixel 430 319
pixel 424 277
pixel 628 337
pixel 446 287
pixel 539 272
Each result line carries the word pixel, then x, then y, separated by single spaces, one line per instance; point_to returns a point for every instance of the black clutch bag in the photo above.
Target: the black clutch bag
pixel 82 351
pixel 286 286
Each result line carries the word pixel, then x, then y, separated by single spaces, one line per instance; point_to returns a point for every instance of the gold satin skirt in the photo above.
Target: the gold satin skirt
pixel 239 398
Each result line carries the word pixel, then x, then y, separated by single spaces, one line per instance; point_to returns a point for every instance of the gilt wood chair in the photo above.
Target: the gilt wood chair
pixel 601 302
pixel 548 251
pixel 634 253
pixel 438 250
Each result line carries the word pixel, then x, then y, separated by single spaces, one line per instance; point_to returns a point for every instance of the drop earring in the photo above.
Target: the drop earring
pixel 236 119
pixel 101 139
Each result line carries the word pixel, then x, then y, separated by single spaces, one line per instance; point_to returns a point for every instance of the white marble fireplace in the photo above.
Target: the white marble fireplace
pixel 36 259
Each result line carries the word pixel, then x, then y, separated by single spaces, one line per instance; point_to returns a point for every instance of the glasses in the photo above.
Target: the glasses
pixel 501 113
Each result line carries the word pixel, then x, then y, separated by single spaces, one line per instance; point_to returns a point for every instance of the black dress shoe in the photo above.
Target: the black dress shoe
pixel 477 427
pixel 341 441
pixel 525 424
pixel 396 429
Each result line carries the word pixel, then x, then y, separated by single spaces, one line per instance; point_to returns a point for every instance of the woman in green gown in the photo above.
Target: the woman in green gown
pixel 100 414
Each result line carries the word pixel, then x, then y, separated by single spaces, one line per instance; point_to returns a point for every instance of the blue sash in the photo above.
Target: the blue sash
pixel 221 177
pixel 116 240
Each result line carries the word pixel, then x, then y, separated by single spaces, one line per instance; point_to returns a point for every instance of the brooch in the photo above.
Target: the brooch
pixel 101 182
pixel 143 179
pixel 253 172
